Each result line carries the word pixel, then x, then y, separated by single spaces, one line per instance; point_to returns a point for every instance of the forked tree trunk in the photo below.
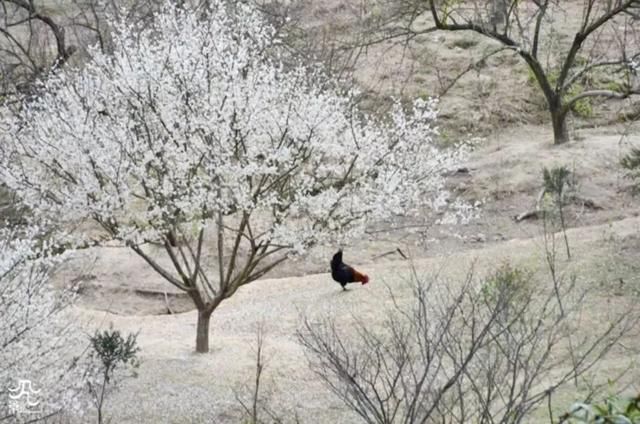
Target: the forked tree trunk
pixel 556 109
pixel 202 332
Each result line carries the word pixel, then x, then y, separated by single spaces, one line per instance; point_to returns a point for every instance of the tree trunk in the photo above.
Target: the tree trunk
pixel 498 13
pixel 559 121
pixel 202 333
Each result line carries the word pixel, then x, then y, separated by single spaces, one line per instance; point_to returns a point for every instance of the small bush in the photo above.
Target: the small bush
pixel 631 163
pixel 465 43
pixel 615 86
pixel 556 181
pixel 488 349
pixel 508 284
pixel 614 410
pixel 583 107
pixel 110 351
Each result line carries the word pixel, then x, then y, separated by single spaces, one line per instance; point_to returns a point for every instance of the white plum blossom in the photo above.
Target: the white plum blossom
pixel 37 338
pixel 197 122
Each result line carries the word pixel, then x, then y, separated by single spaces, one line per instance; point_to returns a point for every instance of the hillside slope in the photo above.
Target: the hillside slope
pixel 175 385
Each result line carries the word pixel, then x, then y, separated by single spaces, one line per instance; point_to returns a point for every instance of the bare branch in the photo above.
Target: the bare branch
pixel 609 94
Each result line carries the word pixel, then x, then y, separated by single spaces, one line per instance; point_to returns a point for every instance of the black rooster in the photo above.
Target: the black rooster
pixel 344 273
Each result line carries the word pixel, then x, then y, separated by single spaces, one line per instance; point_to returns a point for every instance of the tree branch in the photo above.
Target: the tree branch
pixel 609 94
pixel 572 79
pixel 63 53
pixel 542 9
pixel 584 33
pixel 159 269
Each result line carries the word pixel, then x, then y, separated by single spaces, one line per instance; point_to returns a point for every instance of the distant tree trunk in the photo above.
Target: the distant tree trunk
pixel 498 13
pixel 202 333
pixel 559 121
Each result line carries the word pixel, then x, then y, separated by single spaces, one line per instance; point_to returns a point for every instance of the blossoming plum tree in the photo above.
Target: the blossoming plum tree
pixel 200 133
pixel 38 375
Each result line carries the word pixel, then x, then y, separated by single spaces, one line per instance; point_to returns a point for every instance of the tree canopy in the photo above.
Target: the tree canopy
pixel 201 119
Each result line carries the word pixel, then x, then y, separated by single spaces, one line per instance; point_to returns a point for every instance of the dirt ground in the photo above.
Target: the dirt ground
pixel 175 385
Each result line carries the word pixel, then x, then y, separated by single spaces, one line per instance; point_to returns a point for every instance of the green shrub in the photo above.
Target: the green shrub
pixel 615 86
pixel 508 285
pixel 614 410
pixel 631 164
pixel 556 181
pixel 631 161
pixel 110 351
pixel 583 107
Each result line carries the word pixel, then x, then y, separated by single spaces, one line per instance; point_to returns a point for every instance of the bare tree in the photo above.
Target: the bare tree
pixel 315 43
pixel 602 59
pixel 254 398
pixel 252 406
pixel 36 38
pixel 487 352
pixel 32 43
